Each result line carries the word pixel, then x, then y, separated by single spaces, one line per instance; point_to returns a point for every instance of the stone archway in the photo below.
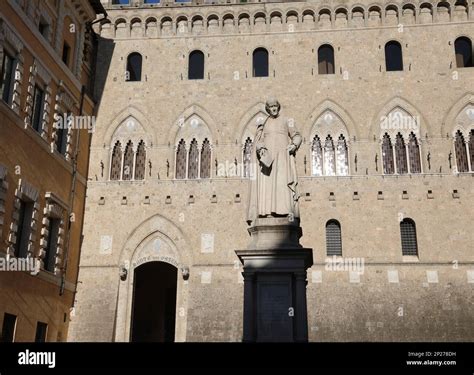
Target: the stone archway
pixel 153 317
pixel 155 240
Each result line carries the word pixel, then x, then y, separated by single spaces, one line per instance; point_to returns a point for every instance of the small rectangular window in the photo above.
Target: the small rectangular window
pixel 41 332
pixel 61 134
pixel 7 77
pixel 43 28
pixel 66 53
pixel 8 328
pixel 24 229
pixel 52 245
pixel 38 109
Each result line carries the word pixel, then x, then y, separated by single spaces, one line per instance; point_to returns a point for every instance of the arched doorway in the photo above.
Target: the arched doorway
pixel 154 303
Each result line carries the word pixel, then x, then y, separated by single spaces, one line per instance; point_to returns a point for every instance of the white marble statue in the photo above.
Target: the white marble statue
pixel 273 190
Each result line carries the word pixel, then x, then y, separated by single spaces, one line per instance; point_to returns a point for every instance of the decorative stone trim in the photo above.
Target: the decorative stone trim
pixel 29 96
pixel 54 209
pixel 38 71
pixel 45 15
pixel 17 85
pixel 7 36
pixel 25 191
pixel 32 11
pixel 46 114
pixel 3 192
pixel 21 3
pixel 79 53
pixel 42 72
pixel 59 28
pixel 64 103
pixel 274 17
pixel 3 172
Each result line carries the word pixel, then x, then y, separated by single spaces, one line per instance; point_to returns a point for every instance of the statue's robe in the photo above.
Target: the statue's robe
pixel 273 188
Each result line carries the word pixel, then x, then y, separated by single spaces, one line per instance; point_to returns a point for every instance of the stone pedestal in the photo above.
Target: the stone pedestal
pixel 274 274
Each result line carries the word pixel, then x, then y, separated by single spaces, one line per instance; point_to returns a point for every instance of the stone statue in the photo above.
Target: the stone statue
pixel 273 190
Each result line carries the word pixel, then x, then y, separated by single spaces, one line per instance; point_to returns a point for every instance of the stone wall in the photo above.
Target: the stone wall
pixel 427 298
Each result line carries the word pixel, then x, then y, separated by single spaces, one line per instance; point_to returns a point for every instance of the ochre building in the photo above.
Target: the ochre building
pixel 46 64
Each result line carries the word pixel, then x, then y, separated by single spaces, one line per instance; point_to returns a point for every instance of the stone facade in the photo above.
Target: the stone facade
pixel 197 224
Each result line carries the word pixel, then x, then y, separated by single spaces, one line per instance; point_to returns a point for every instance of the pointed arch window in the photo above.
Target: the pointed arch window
pixel 317 157
pixel 181 160
pixel 205 159
pixel 408 237
pixel 196 65
pixel 463 52
pixel 326 59
pixel 342 162
pixel 247 157
pixel 127 172
pixel 116 165
pixel 333 238
pixel 140 160
pixel 329 157
pixel 414 154
pixel 260 62
pixel 461 152
pixel 193 160
pixel 393 56
pixel 401 155
pixel 134 67
pixel 387 155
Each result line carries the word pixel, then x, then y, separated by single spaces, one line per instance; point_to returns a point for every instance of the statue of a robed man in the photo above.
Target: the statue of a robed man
pixel 273 190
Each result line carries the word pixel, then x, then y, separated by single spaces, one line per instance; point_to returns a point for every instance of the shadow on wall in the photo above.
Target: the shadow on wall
pixel 105 50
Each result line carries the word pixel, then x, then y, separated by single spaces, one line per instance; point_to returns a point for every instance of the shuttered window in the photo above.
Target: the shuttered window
pixel 408 235
pixel 333 238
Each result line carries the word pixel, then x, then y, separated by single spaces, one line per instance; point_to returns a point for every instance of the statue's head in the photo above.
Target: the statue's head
pixel 272 106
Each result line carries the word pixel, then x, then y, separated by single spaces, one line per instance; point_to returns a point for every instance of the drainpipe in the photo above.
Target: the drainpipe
pixel 71 200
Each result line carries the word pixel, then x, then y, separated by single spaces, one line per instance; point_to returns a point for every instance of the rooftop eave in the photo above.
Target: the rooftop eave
pixel 98 7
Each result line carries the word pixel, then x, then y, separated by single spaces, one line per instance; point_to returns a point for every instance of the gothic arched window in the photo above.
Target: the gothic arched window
pixel 193 160
pixel 247 157
pixel 316 157
pixel 128 162
pixel 393 56
pixel 333 238
pixel 401 155
pixel 116 164
pixel 140 160
pixel 205 159
pixel 461 152
pixel 260 62
pixel 329 157
pixel 342 162
pixel 408 236
pixel 181 160
pixel 387 155
pixel 414 154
